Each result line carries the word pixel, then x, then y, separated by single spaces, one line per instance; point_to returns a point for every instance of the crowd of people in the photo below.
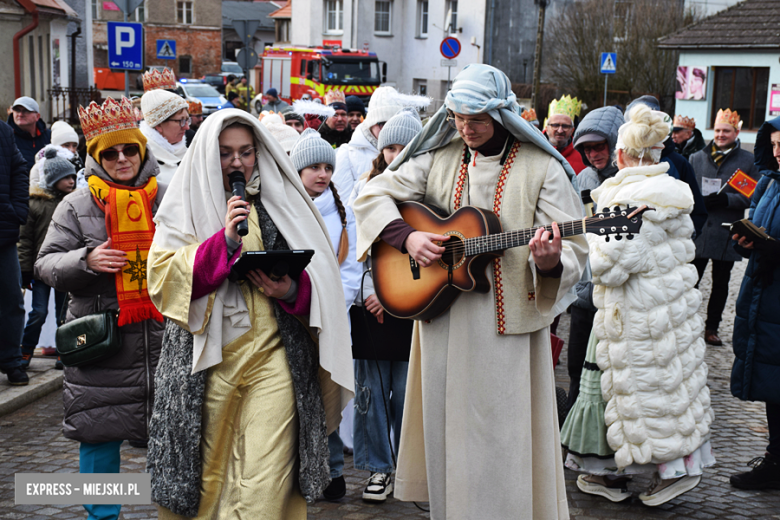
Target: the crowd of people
pixel 248 390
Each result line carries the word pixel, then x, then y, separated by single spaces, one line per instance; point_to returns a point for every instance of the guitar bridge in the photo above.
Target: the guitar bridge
pixel 415 267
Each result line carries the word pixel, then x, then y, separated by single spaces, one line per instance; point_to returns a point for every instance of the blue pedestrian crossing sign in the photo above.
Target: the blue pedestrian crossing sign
pixel 608 63
pixel 125 45
pixel 166 49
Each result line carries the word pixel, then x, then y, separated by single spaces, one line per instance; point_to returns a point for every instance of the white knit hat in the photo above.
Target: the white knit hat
pixel 400 129
pixel 312 149
pixel 62 132
pixel 382 106
pixel 158 105
pixel 286 135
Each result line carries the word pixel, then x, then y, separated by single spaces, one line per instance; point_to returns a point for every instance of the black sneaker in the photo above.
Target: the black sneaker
pixel 59 365
pixel 335 490
pixel 379 487
pixel 18 377
pixel 764 475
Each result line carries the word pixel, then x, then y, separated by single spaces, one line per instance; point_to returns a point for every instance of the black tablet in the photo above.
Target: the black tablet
pixel 273 263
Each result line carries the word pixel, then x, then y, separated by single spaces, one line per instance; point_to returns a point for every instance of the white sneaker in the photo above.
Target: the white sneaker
pixel 662 491
pixel 593 485
pixel 379 487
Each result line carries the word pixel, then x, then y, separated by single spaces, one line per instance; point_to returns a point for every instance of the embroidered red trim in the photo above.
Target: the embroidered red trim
pixel 497 201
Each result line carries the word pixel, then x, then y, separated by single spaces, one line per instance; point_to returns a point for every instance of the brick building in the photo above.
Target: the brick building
pixel 195 26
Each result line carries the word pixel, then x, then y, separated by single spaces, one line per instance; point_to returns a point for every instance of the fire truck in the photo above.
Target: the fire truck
pixel 294 71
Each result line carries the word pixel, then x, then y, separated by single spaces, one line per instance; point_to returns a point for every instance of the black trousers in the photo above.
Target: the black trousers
pixel 773 421
pixel 721 274
pixel 581 323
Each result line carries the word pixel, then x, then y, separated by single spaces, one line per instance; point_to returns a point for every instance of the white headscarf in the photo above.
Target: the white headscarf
pixel 193 210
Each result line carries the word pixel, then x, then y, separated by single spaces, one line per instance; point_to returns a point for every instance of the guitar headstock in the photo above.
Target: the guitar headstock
pixel 618 221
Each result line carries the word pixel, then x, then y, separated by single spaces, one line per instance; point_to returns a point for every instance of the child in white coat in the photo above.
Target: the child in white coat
pixel 315 159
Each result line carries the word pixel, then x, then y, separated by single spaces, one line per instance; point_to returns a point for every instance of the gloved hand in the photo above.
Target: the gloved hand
pixel 27 279
pixel 716 201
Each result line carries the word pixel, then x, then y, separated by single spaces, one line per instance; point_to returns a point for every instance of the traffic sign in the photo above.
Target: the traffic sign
pixel 128 6
pixel 246 30
pixel 246 58
pixel 450 47
pixel 608 63
pixel 166 49
pixel 125 45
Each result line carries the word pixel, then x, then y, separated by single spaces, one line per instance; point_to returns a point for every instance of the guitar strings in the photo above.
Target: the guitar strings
pixel 574 227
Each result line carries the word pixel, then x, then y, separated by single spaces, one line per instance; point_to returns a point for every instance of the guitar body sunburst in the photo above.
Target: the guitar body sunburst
pixel 433 292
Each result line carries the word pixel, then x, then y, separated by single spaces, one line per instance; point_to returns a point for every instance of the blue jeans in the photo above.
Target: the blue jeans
pixel 102 457
pixel 11 308
pixel 372 447
pixel 39 312
pixel 336 460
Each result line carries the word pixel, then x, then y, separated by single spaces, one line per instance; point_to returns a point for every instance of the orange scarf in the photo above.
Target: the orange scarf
pixel 130 227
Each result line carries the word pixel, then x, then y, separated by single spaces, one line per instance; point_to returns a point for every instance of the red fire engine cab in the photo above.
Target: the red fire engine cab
pixel 294 71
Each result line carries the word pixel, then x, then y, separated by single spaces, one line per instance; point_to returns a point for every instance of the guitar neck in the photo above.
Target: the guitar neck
pixel 517 238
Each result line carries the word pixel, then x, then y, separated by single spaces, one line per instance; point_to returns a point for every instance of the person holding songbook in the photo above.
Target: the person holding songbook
pixel 254 372
pixel 756 372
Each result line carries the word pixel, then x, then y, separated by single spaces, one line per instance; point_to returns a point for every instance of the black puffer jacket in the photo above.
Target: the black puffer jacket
pixel 111 400
pixel 28 144
pixel 14 187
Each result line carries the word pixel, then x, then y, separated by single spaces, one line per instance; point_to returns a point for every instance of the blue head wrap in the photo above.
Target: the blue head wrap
pixel 478 89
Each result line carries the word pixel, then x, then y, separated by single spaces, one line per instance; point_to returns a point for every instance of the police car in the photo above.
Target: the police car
pixel 195 90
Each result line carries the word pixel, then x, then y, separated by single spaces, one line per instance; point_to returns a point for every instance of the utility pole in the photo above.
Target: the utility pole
pixel 538 54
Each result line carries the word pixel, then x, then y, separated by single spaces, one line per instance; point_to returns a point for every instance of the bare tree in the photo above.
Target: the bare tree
pixel 631 28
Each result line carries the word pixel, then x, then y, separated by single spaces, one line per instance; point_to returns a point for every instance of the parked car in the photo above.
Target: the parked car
pixel 139 80
pixel 218 80
pixel 195 90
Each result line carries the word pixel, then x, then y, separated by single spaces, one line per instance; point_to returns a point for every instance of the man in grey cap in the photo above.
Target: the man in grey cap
pixel 30 133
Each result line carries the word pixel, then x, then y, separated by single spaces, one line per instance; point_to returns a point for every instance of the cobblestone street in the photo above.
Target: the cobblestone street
pixel 31 441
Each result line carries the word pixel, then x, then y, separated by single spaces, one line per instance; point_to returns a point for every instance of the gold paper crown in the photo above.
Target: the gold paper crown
pixel 729 117
pixel 684 122
pixel 154 80
pixel 196 108
pixel 334 96
pixel 529 115
pixel 566 106
pixel 110 117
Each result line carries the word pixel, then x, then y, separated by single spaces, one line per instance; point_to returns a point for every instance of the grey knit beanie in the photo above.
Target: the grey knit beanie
pixel 400 129
pixel 312 149
pixel 55 168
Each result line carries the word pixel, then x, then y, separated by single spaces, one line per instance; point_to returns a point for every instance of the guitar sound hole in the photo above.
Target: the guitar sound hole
pixel 454 251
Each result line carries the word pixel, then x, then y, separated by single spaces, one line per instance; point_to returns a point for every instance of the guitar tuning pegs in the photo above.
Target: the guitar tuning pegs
pixel 618 237
pixel 630 236
pixel 606 238
pixel 617 209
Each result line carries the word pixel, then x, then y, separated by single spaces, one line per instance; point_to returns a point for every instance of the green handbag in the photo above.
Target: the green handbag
pixel 89 339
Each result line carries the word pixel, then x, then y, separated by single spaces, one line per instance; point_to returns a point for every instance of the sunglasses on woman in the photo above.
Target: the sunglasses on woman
pixel 112 154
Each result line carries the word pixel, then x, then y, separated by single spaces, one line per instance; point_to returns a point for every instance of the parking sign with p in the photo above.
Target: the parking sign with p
pixel 125 46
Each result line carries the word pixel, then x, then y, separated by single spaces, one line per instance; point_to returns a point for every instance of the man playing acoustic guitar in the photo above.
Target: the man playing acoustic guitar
pixel 480 432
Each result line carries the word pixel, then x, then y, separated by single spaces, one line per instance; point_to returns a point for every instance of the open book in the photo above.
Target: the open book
pixel 753 233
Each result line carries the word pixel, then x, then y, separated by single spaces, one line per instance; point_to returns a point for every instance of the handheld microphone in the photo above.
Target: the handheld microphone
pixel 238 187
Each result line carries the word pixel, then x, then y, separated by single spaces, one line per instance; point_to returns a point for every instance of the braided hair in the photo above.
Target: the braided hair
pixel 344 242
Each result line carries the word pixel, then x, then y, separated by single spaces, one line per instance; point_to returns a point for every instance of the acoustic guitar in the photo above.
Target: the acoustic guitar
pixel 408 290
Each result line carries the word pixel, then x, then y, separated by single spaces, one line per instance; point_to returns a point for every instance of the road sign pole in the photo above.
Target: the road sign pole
pixel 606 78
pixel 127 80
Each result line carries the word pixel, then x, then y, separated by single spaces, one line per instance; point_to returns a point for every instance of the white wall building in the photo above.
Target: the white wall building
pixel 406 34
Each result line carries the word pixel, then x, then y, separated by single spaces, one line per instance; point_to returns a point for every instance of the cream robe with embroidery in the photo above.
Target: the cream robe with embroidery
pixel 480 431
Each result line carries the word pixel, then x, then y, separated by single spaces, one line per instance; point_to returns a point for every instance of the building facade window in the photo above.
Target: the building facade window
pixel 140 13
pixel 283 31
pixel 185 65
pixel 452 7
pixel 184 12
pixel 334 16
pixel 743 89
pixel 95 10
pixel 383 11
pixel 422 18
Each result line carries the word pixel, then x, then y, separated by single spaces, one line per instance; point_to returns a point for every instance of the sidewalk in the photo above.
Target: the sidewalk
pixel 43 381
